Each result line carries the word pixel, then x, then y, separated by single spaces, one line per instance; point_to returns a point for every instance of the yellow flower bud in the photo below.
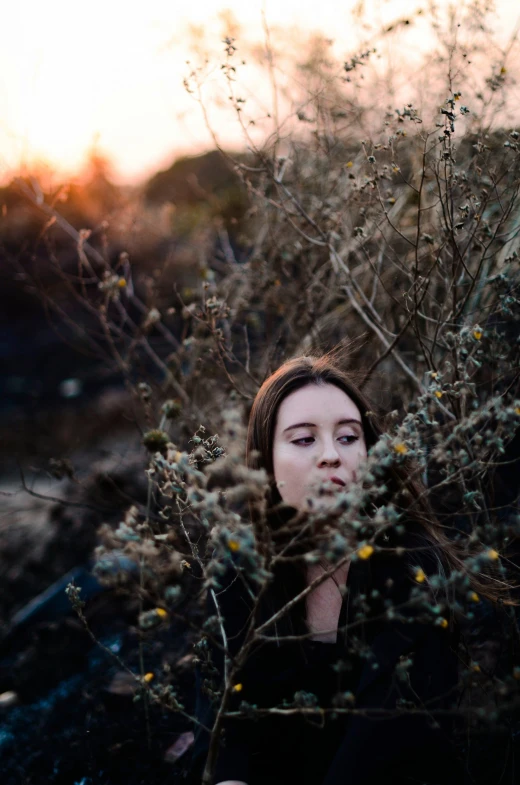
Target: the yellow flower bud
pixel 420 576
pixel 148 677
pixel 477 334
pixel 121 283
pixel 474 596
pixel 349 164
pixel 401 448
pixel 443 623
pixel 365 552
pixel 238 688
pixel 438 393
pixel 492 554
pixel 234 545
pixel 162 613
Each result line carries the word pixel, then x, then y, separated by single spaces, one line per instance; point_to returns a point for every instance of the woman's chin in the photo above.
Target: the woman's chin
pixel 323 501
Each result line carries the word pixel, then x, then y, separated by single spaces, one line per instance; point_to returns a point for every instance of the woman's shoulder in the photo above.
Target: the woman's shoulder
pixel 231 589
pixel 411 547
pixel 409 571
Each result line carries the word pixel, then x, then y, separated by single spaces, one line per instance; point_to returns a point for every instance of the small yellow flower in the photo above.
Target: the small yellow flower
pixel 148 677
pixel 475 667
pixel 492 554
pixel 477 334
pixel 438 393
pixel 391 200
pixel 121 283
pixel 474 596
pixel 234 545
pixel 420 576
pixel 162 613
pixel 396 168
pixel 443 623
pixel 185 564
pixel 238 688
pixel 365 552
pixel 349 164
pixel 401 448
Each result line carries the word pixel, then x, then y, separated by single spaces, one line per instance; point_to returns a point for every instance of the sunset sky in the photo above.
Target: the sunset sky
pixel 109 74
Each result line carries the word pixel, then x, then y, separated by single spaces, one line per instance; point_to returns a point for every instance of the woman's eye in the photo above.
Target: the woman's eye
pixel 350 438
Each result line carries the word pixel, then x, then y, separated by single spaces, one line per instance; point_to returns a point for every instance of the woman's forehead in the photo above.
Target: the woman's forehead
pixel 319 404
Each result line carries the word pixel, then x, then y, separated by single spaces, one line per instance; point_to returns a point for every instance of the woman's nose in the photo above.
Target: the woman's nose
pixel 329 456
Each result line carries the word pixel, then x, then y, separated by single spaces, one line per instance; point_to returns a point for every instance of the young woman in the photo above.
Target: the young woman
pixel 341 646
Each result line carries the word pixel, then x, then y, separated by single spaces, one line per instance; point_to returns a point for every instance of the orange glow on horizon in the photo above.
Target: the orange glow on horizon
pixel 107 77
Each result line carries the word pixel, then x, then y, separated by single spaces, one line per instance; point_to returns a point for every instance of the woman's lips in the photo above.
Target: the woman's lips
pixel 337 480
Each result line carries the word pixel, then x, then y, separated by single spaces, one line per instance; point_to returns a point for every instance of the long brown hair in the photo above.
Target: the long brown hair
pixel 404 484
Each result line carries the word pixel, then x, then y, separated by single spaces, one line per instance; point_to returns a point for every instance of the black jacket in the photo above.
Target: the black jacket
pixel 357 750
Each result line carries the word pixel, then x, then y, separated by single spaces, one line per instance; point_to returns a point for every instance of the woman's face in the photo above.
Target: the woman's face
pixel 318 436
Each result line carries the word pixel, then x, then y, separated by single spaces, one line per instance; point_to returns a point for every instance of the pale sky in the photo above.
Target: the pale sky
pixel 110 73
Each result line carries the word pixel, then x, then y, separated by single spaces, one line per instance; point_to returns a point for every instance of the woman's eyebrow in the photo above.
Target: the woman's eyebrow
pixel 312 425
